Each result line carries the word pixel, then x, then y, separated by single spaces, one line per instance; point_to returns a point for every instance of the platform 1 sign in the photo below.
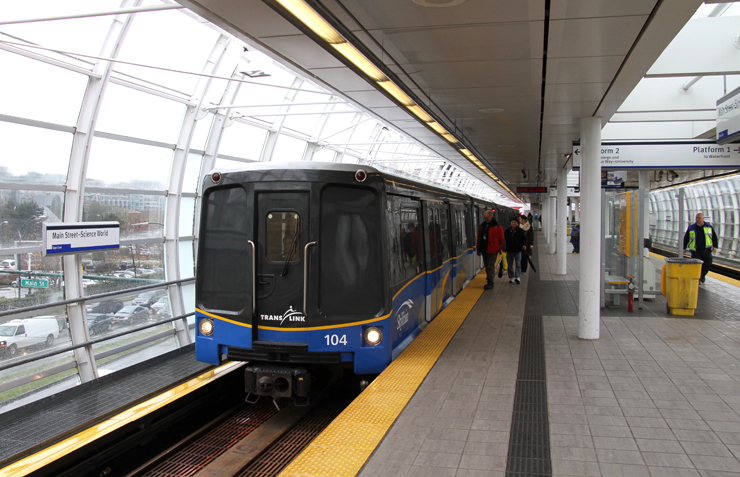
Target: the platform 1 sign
pixel 80 237
pixel 34 283
pixel 665 155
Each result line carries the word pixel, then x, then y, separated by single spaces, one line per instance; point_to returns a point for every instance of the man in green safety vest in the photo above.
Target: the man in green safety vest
pixel 701 241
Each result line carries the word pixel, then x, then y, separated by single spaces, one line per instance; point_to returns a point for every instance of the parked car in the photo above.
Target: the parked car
pixel 125 264
pixel 130 314
pixel 148 298
pixel 161 309
pixel 16 335
pixel 98 323
pixel 105 307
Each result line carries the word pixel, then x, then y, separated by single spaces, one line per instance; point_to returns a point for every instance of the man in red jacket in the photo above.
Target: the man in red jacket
pixel 490 243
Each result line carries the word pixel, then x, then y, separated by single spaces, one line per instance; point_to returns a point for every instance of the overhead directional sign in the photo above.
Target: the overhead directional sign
pixel 728 117
pixel 531 190
pixel 34 283
pixel 665 155
pixel 80 237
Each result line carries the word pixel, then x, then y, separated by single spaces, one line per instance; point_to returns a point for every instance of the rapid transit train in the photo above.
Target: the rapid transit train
pixel 305 265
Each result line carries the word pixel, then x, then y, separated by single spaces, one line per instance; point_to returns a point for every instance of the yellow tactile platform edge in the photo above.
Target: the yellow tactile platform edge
pixel 345 445
pixel 38 460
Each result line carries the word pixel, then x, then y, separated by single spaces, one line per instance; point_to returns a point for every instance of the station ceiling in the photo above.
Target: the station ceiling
pixel 510 79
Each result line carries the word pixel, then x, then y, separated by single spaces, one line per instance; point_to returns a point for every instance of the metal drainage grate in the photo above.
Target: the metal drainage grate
pixel 204 450
pixel 284 450
pixel 529 442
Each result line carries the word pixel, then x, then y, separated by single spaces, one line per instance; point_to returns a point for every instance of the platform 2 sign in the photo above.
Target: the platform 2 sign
pixel 665 155
pixel 34 283
pixel 80 237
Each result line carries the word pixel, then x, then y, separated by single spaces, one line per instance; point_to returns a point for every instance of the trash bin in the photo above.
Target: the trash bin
pixel 680 284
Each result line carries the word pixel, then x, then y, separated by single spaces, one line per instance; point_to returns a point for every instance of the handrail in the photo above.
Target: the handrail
pixel 305 276
pixel 93 297
pixel 254 278
pixel 49 354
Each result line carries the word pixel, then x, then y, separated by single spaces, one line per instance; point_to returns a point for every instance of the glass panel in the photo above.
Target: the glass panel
pixel 187 215
pixel 187 266
pixel 225 164
pixel 201 132
pixel 128 165
pixel 46 272
pixel 33 91
pixel 21 215
pixel 288 149
pixel 33 155
pixel 242 140
pixel 130 112
pixel 324 155
pixel 191 180
pixel 169 40
pixel 410 234
pixel 283 241
pixel 140 216
pixel 128 267
pixel 43 332
pixel 188 297
pixel 151 342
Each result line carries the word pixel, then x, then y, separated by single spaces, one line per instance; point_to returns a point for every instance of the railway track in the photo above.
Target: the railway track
pixel 255 440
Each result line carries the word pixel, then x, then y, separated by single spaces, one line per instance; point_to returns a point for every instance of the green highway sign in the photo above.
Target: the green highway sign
pixel 38 283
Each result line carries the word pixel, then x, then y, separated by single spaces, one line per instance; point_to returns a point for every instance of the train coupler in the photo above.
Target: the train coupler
pixel 278 382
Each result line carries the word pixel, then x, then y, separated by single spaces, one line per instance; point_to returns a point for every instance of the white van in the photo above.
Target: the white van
pixel 20 334
pixel 8 264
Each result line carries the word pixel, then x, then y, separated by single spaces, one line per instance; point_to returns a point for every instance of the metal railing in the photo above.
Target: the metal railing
pixel 66 349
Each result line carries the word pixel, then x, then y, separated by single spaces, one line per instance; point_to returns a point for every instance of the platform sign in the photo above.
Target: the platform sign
pixel 80 237
pixel 728 117
pixel 34 283
pixel 665 155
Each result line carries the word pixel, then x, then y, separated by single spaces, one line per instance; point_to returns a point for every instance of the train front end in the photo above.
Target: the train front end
pixel 291 275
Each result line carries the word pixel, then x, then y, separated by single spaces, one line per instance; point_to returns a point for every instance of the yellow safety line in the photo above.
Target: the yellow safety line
pixel 57 451
pixel 716 276
pixel 343 447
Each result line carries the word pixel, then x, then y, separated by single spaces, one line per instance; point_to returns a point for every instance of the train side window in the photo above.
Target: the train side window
pixel 464 229
pixel 444 234
pixel 411 246
pixel 282 236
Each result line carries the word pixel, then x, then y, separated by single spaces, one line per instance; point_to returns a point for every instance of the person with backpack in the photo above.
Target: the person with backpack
pixel 575 238
pixel 490 243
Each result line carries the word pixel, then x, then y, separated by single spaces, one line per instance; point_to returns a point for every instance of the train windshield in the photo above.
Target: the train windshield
pixel 282 231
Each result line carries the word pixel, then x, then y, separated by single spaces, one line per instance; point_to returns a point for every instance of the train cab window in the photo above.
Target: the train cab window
pixel 350 263
pixel 223 258
pixel 282 236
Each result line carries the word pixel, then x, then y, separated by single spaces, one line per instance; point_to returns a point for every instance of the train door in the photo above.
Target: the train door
pixel 281 233
pixel 459 238
pixel 439 266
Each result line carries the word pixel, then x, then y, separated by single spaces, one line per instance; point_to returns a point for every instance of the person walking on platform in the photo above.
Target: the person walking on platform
pixel 529 233
pixel 575 238
pixel 700 240
pixel 490 243
pixel 516 243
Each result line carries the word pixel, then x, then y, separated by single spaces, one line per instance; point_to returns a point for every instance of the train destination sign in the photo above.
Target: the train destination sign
pixel 79 237
pixel 531 190
pixel 665 155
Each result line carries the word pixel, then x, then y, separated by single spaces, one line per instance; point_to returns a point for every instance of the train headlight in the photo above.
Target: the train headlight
pixel 373 336
pixel 206 327
pixel 360 175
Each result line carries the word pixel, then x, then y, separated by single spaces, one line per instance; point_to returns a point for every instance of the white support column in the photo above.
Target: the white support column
pixel 561 262
pixel 577 211
pixel 544 213
pixel 589 299
pixel 551 223
pixel 75 190
pixel 174 188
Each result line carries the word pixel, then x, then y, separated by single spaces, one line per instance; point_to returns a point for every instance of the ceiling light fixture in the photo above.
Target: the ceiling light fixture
pixel 359 60
pixel 421 114
pixel 397 93
pixel 436 126
pixel 312 20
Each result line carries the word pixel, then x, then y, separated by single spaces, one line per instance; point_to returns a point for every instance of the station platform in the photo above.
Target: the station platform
pixel 656 395
pixel 38 425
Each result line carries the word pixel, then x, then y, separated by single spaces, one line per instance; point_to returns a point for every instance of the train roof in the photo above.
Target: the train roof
pixel 394 184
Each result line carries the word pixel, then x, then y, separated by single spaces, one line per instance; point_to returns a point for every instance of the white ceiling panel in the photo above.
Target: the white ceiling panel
pixel 597 69
pixel 308 54
pixel 589 37
pixel 342 78
pixel 560 9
